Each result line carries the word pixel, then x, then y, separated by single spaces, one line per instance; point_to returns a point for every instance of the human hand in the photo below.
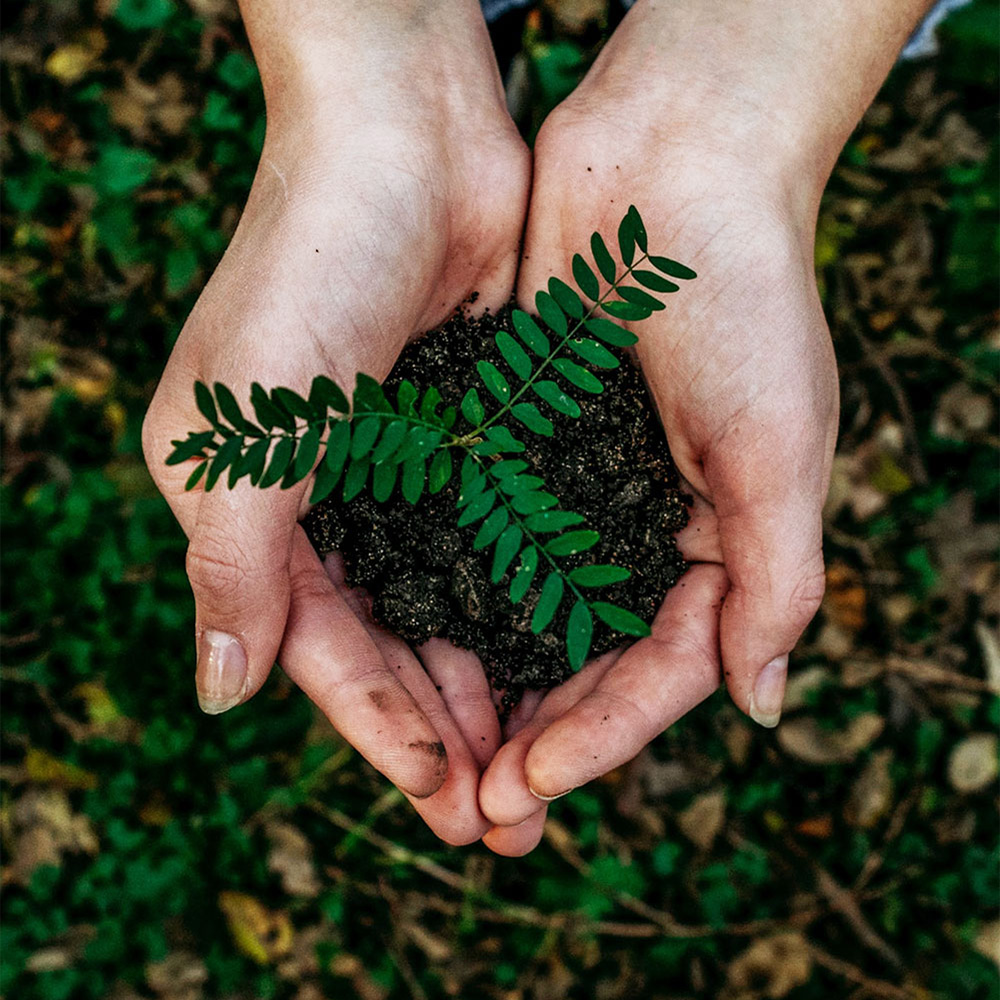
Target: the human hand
pixel 391 186
pixel 741 367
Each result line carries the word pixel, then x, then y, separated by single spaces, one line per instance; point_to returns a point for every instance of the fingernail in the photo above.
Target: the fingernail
pixel 769 692
pixel 548 798
pixel 221 677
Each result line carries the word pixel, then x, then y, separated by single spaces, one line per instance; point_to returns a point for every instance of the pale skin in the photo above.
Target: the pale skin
pixel 378 209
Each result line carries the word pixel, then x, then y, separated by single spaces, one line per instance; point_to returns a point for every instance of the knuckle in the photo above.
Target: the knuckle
pixel 807 594
pixel 214 566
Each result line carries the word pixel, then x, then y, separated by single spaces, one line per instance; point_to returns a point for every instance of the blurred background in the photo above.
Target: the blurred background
pixel 152 852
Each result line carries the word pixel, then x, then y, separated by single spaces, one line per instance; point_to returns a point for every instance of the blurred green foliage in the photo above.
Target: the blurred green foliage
pixel 125 173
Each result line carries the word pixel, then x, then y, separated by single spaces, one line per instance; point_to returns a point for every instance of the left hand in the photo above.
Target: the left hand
pixel 741 367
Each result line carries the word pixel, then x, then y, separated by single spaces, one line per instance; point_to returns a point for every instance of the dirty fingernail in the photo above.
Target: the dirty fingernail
pixel 548 798
pixel 769 692
pixel 221 676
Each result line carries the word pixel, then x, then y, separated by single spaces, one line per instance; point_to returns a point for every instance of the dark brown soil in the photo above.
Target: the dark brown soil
pixel 612 465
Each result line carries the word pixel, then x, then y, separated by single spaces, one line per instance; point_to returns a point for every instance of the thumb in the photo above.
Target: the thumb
pixel 770 530
pixel 238 566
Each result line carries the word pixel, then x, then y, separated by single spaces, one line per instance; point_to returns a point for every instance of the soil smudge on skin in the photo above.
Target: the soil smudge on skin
pixel 612 465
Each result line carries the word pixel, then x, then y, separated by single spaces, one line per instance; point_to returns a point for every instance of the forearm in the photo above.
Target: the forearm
pixel 781 82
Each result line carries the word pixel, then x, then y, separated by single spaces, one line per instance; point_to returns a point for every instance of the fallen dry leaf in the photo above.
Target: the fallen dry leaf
pixel 972 765
pixel 703 819
pixel 771 967
pixel 261 934
pixel 291 858
pixel 180 976
pixel 871 793
pixel 45 827
pixel 805 739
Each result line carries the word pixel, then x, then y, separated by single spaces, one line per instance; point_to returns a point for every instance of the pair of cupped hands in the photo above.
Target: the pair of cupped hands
pixel 383 200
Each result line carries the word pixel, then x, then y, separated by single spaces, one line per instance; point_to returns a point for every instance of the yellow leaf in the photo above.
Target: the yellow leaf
pixel 70 62
pixel 101 708
pixel 262 935
pixel 43 768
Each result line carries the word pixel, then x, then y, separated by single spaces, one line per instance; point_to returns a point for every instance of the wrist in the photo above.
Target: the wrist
pixel 333 62
pixel 779 92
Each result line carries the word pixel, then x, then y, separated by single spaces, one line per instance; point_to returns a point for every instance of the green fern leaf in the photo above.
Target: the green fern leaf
pixel 672 268
pixel 568 300
pixel 526 570
pixel 579 631
pixel 229 407
pixel 572 542
pixel 306 455
pixel 292 402
pixel 513 353
pixel 500 435
pixel 392 437
pixel 619 619
pixel 365 434
pixel 598 575
pixel 529 415
pixel 578 375
pixel 640 298
pixel 508 545
pixel 490 529
pixel 531 333
pixel 626 239
pixel 194 478
pixel 585 278
pixel 429 404
pixel 548 602
pixel 555 397
pixel 602 258
pixel 472 408
pixel 383 480
pixel 192 445
pixel 414 476
pixel 406 398
pixel 650 279
pixel 252 463
pixel 369 396
pixel 478 507
pixel 325 482
pixel 610 333
pixel 356 477
pixel 281 458
pixel 493 380
pixel 224 457
pixel 531 503
pixel 268 415
pixel 508 467
pixel 205 402
pixel 626 310
pixel 439 472
pixel 325 394
pixel 597 354
pixel 552 520
pixel 553 317
pixel 338 446
pixel 638 228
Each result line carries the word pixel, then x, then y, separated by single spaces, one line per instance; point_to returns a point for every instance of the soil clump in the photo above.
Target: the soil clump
pixel 612 465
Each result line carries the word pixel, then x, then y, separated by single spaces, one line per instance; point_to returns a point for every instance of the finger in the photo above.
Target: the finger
pixel 516 841
pixel 504 796
pixel 328 652
pixel 465 691
pixel 768 486
pixel 238 568
pixel 653 684
pixel 237 561
pixel 452 812
pixel 698 540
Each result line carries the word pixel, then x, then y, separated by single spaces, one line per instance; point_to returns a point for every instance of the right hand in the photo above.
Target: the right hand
pixel 392 185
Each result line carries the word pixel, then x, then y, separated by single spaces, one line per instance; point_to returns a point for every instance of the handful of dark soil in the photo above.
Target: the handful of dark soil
pixel 612 465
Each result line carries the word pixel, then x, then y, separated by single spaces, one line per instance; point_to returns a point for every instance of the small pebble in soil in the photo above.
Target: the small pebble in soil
pixel 612 465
